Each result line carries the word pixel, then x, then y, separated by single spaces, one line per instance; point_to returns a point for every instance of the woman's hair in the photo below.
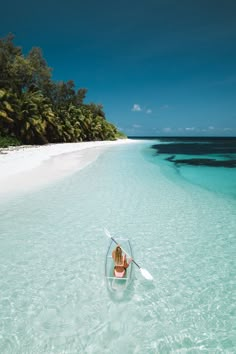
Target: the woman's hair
pixel 118 256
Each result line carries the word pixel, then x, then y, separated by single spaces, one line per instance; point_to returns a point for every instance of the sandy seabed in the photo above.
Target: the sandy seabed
pixel 25 168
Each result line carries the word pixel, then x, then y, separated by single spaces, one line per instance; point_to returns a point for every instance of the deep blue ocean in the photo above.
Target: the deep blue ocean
pixel 175 199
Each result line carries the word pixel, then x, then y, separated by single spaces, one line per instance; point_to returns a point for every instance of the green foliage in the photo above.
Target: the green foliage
pixel 36 110
pixel 6 141
pixel 120 135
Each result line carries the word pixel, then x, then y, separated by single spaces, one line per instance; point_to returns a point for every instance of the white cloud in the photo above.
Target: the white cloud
pixel 167 130
pixel 136 108
pixel 136 126
pixel 165 106
pixel 211 128
pixel 227 129
pixel 190 129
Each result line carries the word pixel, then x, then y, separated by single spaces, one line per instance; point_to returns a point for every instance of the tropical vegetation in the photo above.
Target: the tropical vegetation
pixel 34 109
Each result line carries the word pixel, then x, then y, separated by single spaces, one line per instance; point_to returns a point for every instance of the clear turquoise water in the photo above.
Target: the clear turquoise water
pixel 53 295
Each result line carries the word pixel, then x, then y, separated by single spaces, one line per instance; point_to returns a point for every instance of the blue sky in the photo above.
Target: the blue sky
pixel 159 67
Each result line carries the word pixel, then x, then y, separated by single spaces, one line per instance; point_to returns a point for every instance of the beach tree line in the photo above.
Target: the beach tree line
pixel 34 109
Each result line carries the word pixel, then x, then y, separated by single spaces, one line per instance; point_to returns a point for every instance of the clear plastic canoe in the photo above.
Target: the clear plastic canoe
pixel 113 283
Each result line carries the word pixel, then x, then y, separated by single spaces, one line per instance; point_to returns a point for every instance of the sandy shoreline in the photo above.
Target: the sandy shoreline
pixel 25 168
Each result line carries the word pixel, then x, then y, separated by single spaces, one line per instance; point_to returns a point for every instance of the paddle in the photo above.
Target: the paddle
pixel 143 271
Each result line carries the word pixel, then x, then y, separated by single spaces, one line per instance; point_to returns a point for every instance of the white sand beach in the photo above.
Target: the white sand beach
pixel 24 168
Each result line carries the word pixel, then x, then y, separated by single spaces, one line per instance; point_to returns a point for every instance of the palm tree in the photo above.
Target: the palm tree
pixel 34 120
pixel 8 103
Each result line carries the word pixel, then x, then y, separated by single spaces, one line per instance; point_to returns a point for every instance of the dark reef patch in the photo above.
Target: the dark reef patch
pixel 203 162
pixel 225 148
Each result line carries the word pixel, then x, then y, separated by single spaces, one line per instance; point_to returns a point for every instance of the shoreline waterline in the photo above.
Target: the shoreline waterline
pixel 26 168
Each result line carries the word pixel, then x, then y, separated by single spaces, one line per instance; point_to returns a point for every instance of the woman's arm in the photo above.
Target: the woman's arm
pixel 126 264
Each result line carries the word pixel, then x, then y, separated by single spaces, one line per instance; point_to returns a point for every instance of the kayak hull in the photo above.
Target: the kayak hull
pixel 118 284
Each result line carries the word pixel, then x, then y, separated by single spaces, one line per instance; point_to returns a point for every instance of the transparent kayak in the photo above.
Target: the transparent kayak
pixel 113 283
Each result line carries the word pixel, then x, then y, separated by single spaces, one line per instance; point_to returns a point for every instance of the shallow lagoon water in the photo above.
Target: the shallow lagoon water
pixel 53 295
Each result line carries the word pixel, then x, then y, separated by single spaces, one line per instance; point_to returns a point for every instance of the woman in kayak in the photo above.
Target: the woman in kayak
pixel 120 261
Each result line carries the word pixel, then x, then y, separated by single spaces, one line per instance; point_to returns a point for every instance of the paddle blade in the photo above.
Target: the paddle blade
pixel 146 274
pixel 107 232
